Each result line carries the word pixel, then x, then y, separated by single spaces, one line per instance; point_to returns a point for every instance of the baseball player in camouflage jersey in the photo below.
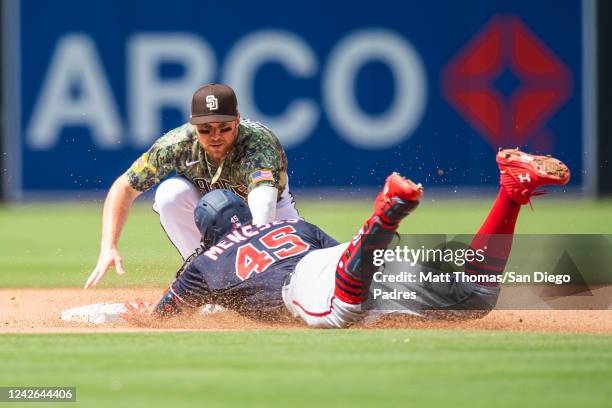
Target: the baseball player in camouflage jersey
pixel 215 150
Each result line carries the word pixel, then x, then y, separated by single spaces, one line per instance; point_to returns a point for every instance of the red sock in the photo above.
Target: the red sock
pixel 494 237
pixel 502 217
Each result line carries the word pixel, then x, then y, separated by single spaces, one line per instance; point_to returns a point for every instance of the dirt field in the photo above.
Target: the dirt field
pixel 38 311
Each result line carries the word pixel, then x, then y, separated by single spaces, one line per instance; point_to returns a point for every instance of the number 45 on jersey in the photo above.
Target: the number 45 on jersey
pixel 249 259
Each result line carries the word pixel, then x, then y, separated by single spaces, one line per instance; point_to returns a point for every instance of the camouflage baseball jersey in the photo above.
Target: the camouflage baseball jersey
pixel 257 158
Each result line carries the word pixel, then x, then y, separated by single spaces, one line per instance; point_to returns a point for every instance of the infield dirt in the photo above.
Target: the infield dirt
pixel 39 310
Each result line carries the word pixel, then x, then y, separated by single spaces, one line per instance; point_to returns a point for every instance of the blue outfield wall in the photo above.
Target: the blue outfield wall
pixel 353 89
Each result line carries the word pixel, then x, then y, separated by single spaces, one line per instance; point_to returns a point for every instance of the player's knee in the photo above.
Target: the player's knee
pixel 330 321
pixel 342 315
pixel 326 323
pixel 173 193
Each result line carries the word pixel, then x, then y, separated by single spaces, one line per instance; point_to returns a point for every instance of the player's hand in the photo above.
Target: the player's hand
pixel 108 258
pixel 138 313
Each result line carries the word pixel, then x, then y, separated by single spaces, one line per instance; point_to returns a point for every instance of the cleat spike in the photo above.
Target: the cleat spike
pixel 523 173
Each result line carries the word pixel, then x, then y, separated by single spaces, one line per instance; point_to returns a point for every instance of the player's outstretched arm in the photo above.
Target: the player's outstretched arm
pixel 170 305
pixel 116 210
pixel 141 313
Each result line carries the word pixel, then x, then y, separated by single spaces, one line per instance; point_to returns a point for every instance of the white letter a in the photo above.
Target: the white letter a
pixel 75 67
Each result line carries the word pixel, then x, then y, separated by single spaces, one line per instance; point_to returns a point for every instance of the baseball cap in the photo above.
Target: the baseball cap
pixel 213 103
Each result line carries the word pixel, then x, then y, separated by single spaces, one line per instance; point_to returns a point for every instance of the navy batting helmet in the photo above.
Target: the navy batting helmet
pixel 218 213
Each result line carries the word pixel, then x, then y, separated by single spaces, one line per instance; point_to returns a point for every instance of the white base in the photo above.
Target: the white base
pixel 97 313
pixel 100 313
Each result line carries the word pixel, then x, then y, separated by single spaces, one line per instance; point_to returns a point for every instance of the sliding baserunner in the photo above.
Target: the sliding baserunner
pixel 262 271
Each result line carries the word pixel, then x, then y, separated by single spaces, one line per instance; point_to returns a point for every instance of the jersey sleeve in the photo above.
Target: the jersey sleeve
pixel 159 161
pixel 262 161
pixel 190 288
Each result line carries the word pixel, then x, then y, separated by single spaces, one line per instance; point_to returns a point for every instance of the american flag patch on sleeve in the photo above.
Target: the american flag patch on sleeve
pixel 262 175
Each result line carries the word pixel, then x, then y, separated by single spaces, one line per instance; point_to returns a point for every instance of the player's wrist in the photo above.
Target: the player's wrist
pixel 104 247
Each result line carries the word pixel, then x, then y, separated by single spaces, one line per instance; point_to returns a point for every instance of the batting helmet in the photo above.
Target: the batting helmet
pixel 218 213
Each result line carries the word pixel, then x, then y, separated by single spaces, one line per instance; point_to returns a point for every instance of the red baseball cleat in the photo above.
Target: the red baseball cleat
pixel 397 199
pixel 522 173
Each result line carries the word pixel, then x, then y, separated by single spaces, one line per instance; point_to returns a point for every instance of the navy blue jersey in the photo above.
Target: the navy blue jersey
pixel 246 270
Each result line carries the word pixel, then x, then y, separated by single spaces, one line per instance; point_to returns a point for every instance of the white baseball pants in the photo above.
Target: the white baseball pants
pixel 310 293
pixel 175 201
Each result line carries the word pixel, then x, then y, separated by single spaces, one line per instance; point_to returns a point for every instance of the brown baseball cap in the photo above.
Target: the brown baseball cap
pixel 213 103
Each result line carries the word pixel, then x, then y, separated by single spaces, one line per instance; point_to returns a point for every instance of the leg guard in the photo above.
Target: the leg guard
pixel 356 268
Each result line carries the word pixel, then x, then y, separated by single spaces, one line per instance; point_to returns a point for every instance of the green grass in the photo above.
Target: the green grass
pixel 56 245
pixel 317 368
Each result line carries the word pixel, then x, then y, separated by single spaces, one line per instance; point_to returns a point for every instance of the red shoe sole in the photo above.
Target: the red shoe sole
pixel 549 169
pixel 398 186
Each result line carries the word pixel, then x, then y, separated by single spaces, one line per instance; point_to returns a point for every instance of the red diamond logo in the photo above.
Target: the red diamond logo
pixel 468 82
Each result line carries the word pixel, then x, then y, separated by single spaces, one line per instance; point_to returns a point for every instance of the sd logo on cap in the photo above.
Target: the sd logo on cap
pixel 213 103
